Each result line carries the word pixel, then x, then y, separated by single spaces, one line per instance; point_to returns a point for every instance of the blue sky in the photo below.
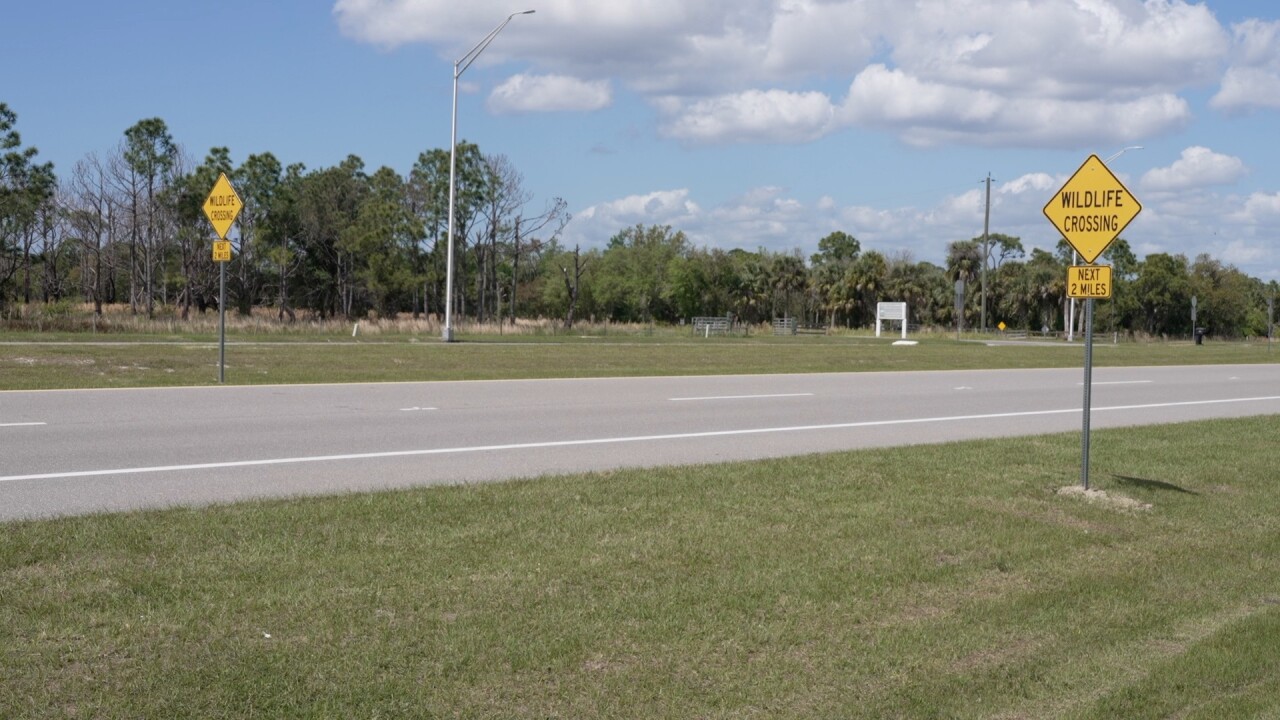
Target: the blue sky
pixel 744 123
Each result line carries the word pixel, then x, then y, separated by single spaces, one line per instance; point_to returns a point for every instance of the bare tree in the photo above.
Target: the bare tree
pixel 503 231
pixel 126 187
pixel 502 196
pixel 91 213
pixel 572 287
pixel 555 213
pixel 190 232
pixel 53 231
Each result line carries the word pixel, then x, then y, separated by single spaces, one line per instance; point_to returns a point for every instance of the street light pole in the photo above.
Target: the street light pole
pixel 460 67
pixel 986 252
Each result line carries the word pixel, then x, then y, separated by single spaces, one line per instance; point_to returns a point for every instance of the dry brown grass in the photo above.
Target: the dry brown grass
pixel 120 319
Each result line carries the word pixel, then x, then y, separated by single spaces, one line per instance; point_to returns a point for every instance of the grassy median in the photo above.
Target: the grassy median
pixel 26 365
pixel 944 581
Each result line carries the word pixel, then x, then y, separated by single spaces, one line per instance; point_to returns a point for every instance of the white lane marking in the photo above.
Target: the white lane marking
pixel 1122 382
pixel 964 387
pixel 22 424
pixel 417 409
pixel 614 440
pixel 740 397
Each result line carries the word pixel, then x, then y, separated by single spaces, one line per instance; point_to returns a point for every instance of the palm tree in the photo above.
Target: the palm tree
pixel 964 261
pixel 1046 286
pixel 789 275
pixel 867 275
pixel 755 289
pixel 827 281
pixel 905 282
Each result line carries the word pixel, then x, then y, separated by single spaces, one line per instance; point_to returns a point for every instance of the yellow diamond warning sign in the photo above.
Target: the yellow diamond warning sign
pixel 1092 209
pixel 222 206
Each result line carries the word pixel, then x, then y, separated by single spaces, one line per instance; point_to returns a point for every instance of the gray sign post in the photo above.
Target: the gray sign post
pixel 1090 210
pixel 1088 386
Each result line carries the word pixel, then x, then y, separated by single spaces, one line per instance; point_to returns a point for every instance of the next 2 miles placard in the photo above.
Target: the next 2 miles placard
pixel 1089 281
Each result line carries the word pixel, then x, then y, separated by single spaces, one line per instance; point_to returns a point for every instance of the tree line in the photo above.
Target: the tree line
pixel 127 227
pixel 654 274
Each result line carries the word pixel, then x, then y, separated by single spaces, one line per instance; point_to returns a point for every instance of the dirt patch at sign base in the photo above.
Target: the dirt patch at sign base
pixel 1102 497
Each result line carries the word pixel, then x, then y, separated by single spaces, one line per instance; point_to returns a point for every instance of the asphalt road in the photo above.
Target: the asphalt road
pixel 81 451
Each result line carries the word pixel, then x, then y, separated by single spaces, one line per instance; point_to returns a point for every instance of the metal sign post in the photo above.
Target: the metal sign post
pixel 221 207
pixel 222 256
pixel 1088 282
pixel 1090 210
pixel 1088 386
pixel 222 322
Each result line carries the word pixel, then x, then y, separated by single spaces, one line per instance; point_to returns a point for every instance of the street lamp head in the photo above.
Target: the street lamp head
pixel 524 12
pixel 1123 151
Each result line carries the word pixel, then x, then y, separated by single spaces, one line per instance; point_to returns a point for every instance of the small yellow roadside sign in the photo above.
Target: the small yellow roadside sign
pixel 1092 209
pixel 1089 281
pixel 222 251
pixel 222 206
pixel 1002 326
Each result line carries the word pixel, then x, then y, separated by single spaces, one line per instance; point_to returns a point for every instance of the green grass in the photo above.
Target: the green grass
pixel 943 581
pixel 25 365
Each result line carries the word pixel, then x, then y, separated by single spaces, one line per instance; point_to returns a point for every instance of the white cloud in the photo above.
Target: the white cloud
pixel 1049 73
pixel 767 217
pixel 1256 42
pixel 549 93
pixel 1247 88
pixel 882 96
pixel 1239 252
pixel 1084 49
pixel 923 114
pixel 1038 183
pixel 661 207
pixel 1253 80
pixel 752 116
pixel 1198 167
pixel 1019 203
pixel 813 36
pixel 927 113
pixel 761 218
pixel 1259 209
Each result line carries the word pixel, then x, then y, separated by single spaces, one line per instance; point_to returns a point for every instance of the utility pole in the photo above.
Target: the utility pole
pixel 1271 319
pixel 986 253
